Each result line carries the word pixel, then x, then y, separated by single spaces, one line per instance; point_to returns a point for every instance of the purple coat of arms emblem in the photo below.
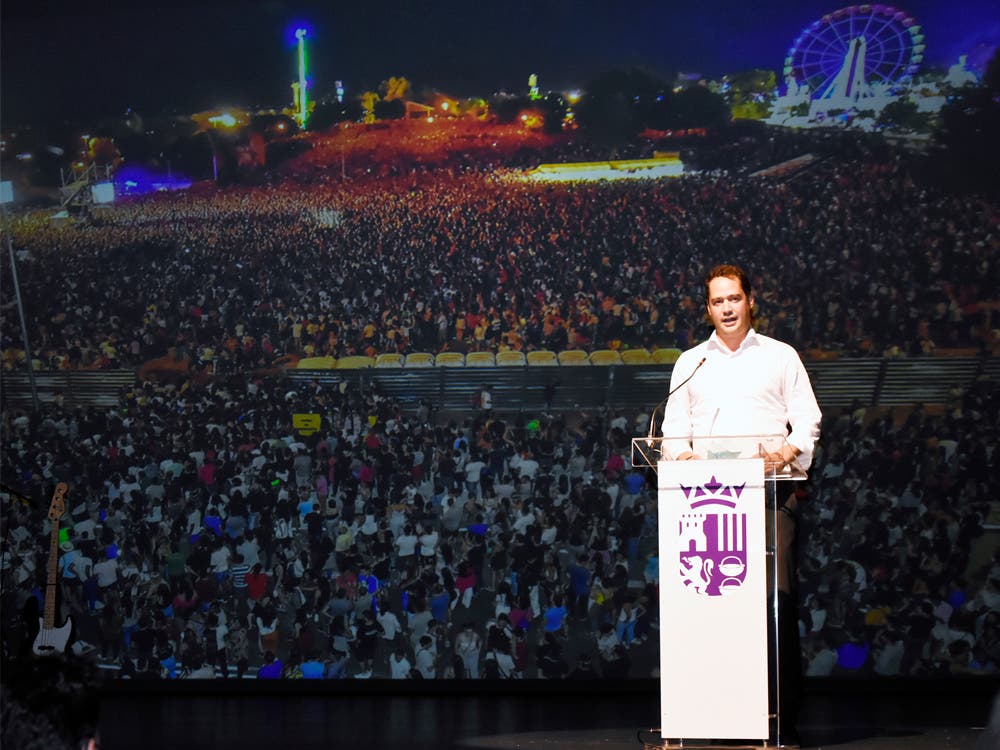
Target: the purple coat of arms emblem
pixel 713 539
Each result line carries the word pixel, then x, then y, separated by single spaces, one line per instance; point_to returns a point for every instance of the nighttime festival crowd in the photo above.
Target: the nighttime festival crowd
pixel 464 262
pixel 206 538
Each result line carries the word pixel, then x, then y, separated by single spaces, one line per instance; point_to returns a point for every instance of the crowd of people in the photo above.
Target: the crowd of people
pixel 445 260
pixel 205 538
pixel 899 575
pixel 399 148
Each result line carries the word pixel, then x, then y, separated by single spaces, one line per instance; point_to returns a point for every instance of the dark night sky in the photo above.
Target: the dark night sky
pixel 60 60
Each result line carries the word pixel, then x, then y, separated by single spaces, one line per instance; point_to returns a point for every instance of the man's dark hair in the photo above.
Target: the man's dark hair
pixel 730 272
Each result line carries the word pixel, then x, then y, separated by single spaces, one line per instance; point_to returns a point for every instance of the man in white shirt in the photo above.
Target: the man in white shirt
pixel 473 473
pixel 467 645
pixel 155 492
pixel 399 665
pixel 741 382
pixel 390 625
pixel 428 543
pixel 577 465
pixel 425 657
pixel 106 571
pixel 85 521
pixel 127 486
pixel 524 520
pixel 528 466
pixel 737 383
pixel 250 549
pixel 220 561
pixel 823 660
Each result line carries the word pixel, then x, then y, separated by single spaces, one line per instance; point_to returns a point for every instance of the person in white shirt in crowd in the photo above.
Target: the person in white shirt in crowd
pixel 390 624
pixel 425 657
pixel 428 539
pixel 823 660
pixel 473 473
pixel 399 665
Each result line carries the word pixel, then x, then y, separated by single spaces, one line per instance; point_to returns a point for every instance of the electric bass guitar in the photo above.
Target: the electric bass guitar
pixel 50 639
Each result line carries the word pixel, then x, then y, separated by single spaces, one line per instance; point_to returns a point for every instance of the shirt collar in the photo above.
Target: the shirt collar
pixel 751 339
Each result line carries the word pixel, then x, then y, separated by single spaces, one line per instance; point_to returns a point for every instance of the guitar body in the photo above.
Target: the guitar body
pixel 52 641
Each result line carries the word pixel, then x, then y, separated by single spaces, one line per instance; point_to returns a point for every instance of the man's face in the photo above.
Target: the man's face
pixel 729 308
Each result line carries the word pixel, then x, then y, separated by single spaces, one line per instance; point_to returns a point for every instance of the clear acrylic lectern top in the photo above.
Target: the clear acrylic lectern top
pixel 649 451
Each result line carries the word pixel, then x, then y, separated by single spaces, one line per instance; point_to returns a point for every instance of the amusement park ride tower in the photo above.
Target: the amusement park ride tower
pixel 850 85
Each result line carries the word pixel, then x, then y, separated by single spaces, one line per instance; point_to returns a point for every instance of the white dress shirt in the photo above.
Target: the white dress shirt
pixel 760 389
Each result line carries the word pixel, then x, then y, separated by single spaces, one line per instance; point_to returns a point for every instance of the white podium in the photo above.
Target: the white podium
pixel 717 568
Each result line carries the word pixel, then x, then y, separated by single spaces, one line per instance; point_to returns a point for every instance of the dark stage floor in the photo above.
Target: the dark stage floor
pixel 844 719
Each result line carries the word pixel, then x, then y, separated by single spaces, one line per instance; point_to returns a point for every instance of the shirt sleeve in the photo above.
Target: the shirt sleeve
pixel 803 412
pixel 677 427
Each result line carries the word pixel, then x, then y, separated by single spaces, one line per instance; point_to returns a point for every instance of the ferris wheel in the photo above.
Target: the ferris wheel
pixel 874 47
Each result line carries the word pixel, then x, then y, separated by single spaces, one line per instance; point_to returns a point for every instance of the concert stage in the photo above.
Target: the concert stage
pixel 529 717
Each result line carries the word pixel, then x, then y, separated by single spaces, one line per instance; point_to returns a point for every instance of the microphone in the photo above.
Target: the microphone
pixel 652 418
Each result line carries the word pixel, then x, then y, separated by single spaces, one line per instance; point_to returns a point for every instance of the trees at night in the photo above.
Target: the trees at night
pixel 903 115
pixel 390 109
pixel 617 106
pixel 553 108
pixel 388 103
pixel 274 126
pixel 750 93
pixel 328 114
pixel 621 104
pixel 968 132
pixel 394 88
pixel 696 107
pixel 506 108
pixel 368 101
pixel 193 156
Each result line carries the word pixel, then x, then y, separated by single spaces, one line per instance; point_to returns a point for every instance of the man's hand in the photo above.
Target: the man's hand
pixel 688 456
pixel 778 460
pixel 773 462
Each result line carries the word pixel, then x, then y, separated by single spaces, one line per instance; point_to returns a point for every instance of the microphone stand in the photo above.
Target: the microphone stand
pixel 652 417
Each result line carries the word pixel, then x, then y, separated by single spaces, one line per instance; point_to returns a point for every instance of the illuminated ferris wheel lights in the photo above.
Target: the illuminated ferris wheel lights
pixel 847 51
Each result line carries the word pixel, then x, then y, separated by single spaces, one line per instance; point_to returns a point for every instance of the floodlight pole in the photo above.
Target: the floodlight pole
pixel 20 312
pixel 300 34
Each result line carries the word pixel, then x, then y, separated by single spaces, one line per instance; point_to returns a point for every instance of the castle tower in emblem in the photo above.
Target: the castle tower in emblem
pixel 692 533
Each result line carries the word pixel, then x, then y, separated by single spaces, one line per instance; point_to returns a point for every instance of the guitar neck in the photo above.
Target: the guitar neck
pixel 53 576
